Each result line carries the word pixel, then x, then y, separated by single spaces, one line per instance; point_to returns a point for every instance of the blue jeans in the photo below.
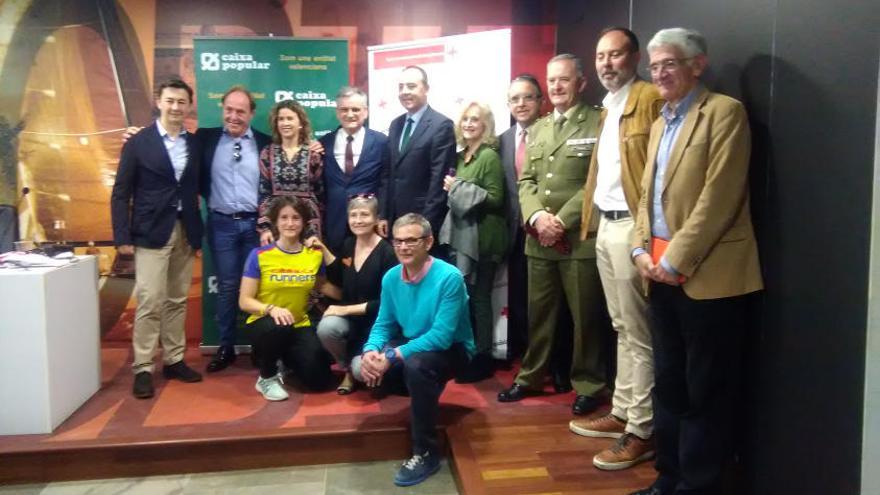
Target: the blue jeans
pixel 231 241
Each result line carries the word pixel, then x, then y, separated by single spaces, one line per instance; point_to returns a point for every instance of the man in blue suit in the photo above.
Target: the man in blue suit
pixel 155 213
pixel 355 159
pixel 422 145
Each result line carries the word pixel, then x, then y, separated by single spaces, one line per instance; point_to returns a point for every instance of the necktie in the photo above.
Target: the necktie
pixel 349 156
pixel 521 153
pixel 560 122
pixel 406 133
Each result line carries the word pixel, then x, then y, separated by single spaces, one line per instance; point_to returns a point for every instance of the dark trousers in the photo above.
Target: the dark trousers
pixel 298 348
pixel 425 375
pixel 480 293
pixel 697 359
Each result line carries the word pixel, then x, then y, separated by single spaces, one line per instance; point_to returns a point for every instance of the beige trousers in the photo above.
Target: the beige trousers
pixel 628 309
pixel 162 280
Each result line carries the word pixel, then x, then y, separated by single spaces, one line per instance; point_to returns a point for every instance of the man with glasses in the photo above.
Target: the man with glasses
pixel 356 159
pixel 421 336
pixel 560 264
pixel 612 193
pixel 230 179
pixel 695 248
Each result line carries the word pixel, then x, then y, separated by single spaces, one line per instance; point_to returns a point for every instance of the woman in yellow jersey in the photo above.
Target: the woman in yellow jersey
pixel 275 291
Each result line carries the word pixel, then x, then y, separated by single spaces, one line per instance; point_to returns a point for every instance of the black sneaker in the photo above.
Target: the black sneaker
pixel 417 469
pixel 143 385
pixel 180 371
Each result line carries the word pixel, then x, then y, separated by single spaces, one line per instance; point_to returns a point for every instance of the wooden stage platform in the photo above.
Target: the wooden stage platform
pixel 222 423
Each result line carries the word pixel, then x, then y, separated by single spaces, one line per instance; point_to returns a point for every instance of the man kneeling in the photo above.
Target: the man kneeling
pixel 421 336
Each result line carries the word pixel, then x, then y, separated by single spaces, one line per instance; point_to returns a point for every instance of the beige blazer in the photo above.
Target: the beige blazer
pixel 706 200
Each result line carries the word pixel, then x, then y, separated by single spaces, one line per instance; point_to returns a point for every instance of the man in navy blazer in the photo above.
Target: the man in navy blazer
pixel 155 214
pixel 422 145
pixel 230 179
pixel 354 162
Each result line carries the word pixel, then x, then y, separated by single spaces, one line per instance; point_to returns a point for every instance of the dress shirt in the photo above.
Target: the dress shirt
pixel 674 120
pixel 177 152
pixel 234 184
pixel 416 117
pixel 357 145
pixel 609 194
pixel 516 145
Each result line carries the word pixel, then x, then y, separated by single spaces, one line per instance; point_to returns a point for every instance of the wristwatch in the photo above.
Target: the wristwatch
pixel 391 355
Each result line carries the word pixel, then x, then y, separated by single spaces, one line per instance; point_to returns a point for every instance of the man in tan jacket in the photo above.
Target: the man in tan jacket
pixel 611 196
pixel 695 247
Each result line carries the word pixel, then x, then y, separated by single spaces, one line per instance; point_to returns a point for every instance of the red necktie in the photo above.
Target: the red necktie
pixel 349 156
pixel 520 153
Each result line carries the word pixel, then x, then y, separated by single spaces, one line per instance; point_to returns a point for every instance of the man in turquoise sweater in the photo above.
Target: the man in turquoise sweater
pixel 421 336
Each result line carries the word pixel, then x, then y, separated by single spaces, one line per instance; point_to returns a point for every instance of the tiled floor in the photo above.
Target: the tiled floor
pixel 371 478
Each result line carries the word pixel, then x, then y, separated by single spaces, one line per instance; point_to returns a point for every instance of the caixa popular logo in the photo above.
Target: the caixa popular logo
pixel 211 62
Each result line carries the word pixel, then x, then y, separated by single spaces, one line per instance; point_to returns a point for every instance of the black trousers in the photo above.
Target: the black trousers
pixel 697 360
pixel 424 374
pixel 298 348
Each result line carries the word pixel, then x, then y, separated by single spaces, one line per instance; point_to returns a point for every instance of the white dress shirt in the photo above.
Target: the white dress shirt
pixel 609 194
pixel 357 145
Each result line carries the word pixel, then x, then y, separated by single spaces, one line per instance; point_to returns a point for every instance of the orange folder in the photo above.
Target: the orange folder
pixel 658 248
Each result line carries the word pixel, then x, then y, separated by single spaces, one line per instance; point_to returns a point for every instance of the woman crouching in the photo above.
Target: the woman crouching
pixel 275 291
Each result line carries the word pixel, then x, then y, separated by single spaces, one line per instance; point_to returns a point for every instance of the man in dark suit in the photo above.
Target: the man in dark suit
pixel 355 160
pixel 422 145
pixel 230 179
pixel 155 214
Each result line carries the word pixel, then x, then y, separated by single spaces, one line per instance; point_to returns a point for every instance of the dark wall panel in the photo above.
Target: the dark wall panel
pixel 807 73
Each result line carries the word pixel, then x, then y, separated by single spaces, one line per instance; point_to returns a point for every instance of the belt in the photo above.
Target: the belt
pixel 238 215
pixel 616 214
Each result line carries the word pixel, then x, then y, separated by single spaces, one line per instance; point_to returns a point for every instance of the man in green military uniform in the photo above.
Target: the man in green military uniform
pixel 551 194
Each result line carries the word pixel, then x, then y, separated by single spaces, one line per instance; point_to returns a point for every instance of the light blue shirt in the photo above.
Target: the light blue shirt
pixel 235 184
pixel 178 153
pixel 674 120
pixel 416 117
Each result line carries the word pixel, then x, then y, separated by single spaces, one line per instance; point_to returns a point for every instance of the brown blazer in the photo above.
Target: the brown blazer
pixel 706 200
pixel 642 108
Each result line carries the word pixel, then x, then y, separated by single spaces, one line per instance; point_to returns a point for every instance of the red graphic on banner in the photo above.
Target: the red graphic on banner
pixel 431 54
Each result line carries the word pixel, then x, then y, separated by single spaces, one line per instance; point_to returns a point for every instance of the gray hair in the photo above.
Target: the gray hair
pixel 349 91
pixel 690 42
pixel 578 63
pixel 413 219
pixel 367 201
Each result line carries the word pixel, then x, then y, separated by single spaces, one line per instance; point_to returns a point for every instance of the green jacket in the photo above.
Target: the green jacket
pixel 554 176
pixel 485 171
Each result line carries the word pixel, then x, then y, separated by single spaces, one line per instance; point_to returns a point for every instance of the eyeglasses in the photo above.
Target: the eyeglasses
pixel 411 242
pixel 668 65
pixel 515 100
pixel 368 195
pixel 236 152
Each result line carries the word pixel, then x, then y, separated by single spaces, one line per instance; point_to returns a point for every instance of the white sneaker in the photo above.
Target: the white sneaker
pixel 271 388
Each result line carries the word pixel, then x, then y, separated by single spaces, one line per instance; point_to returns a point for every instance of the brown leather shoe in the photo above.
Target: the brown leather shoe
pixel 608 426
pixel 628 451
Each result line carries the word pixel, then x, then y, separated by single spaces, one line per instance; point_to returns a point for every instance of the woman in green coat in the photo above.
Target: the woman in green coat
pixel 476 228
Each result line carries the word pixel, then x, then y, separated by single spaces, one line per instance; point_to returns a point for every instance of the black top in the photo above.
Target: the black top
pixel 362 286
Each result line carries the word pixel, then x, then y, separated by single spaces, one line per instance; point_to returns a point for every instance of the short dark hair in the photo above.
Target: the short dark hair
pixel 175 84
pixel 421 70
pixel 238 88
pixel 528 78
pixel 630 36
pixel 305 129
pixel 280 202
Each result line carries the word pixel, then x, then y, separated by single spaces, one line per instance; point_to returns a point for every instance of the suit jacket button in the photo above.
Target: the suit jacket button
pixel 547 192
pixel 551 158
pixel 549 175
pixel 580 154
pixel 546 208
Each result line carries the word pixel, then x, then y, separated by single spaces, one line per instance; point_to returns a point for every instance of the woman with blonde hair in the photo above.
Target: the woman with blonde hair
pixel 476 227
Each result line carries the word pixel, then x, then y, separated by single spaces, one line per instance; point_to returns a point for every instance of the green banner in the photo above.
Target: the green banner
pixel 310 71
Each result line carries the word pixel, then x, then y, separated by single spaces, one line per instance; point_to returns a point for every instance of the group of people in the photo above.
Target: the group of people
pixel 644 201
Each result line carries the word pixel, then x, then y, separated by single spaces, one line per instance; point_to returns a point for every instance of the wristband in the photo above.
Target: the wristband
pixel 268 308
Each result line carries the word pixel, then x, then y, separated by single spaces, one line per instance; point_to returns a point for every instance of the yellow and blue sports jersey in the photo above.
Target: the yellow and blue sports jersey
pixel 286 279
